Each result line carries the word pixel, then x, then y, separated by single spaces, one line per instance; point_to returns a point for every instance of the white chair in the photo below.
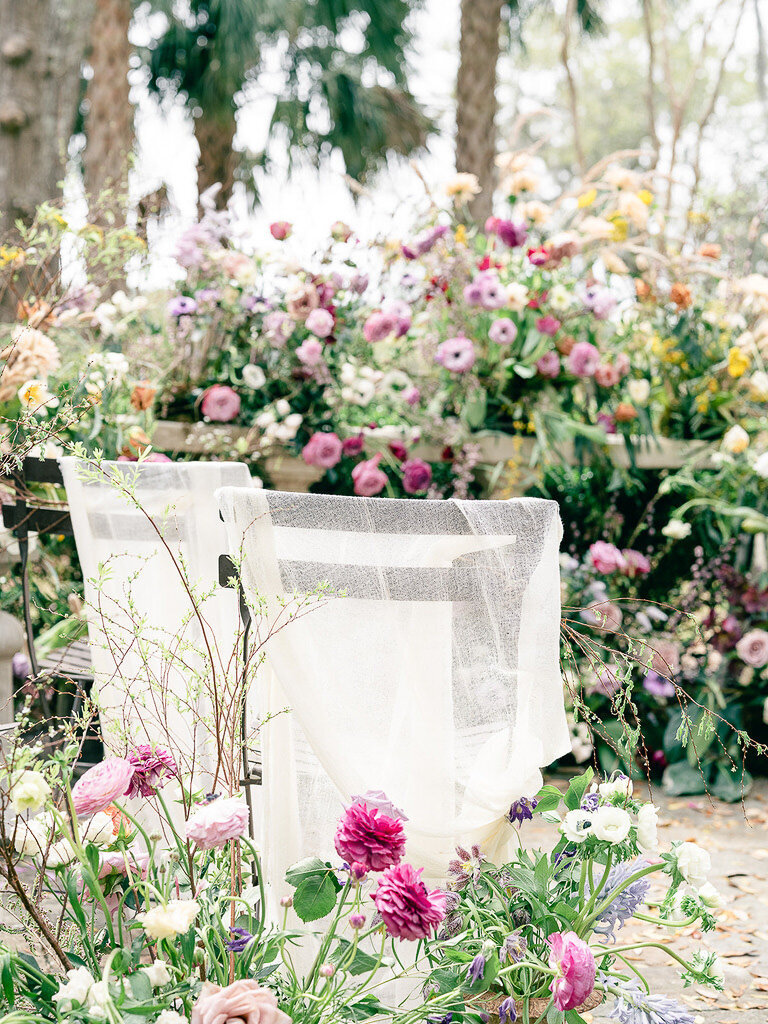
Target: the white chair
pixel 425 665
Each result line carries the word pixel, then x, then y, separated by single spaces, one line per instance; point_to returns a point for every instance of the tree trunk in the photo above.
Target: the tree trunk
pixel 217 161
pixel 41 50
pixel 476 102
pixel 109 120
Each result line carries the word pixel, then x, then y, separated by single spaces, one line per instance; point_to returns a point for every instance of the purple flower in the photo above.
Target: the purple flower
pixel 207 296
pixel 549 364
pixel 657 685
pixel 240 939
pixel 476 969
pixel 492 293
pixel 456 354
pixel 625 903
pixel 503 331
pixel 511 234
pixel 154 766
pixel 636 1006
pixel 590 802
pixel 422 245
pixel 513 948
pixel 182 305
pixel 522 810
pixel 466 867
pixel 377 799
pixel 507 1011
pixel 358 283
pixel 601 301
pixel 20 667
pixel 417 476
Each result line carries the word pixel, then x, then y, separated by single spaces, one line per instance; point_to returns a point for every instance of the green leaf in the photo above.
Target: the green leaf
pixel 548 798
pixel 730 786
pixel 541 876
pixel 6 979
pixel 141 987
pixel 577 789
pixel 307 868
pixel 682 779
pixel 315 897
pixel 362 963
pixel 365 1008
pixel 474 409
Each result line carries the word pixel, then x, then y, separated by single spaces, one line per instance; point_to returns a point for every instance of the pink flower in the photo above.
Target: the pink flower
pixel 510 233
pixel 583 359
pixel 310 352
pixel 456 354
pixel 412 396
pixel 549 364
pixel 153 767
pixel 548 324
pixel 492 294
pixel 323 449
pixel 753 648
pixel 399 450
pixel 575 964
pixel 353 445
pixel 401 311
pixel 606 375
pixel 242 1002
pixel 409 910
pixel 279 327
pixel 366 836
pixel 606 557
pixel 102 784
pixel 379 326
pixel 473 293
pixel 417 476
pixel 503 331
pixel 340 232
pixel 114 862
pixel 377 799
pixel 213 824
pixel 636 564
pixel 220 403
pixel 280 230
pixel 320 322
pixel 368 478
pixel 600 300
pixel 622 364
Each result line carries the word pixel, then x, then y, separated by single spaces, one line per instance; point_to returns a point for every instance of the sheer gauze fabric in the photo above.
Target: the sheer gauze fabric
pixel 427 666
pixel 150 652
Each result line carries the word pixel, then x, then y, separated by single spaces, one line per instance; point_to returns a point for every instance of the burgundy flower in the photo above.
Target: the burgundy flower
pixel 511 234
pixel 153 767
pixel 417 476
pixel 353 445
pixel 409 910
pixel 366 836
pixel 399 450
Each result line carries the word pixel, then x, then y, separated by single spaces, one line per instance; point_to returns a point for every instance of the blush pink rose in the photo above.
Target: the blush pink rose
pixel 101 785
pixel 213 824
pixel 320 322
pixel 572 958
pixel 368 479
pixel 242 1002
pixel 220 403
pixel 323 449
pixel 606 557
pixel 310 352
pixel 753 648
pixel 583 359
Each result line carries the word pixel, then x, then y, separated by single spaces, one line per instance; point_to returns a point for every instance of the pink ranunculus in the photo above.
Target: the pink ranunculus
pixel 401 311
pixel 600 300
pixel 606 375
pixel 213 824
pixel 366 836
pixel 353 445
pixel 412 396
pixel 101 785
pixel 320 322
pixel 491 225
pixel 575 964
pixel 323 449
pixel 583 359
pixel 417 476
pixel 493 295
pixel 473 294
pixel 280 230
pixel 456 354
pixel 503 331
pixel 548 324
pixel 114 862
pixel 279 327
pixel 157 457
pixel 153 767
pixel 408 909
pixel 753 648
pixel 242 1002
pixel 368 479
pixel 220 403
pixel 379 326
pixel 622 364
pixel 636 563
pixel 606 557
pixel 549 364
pixel 310 352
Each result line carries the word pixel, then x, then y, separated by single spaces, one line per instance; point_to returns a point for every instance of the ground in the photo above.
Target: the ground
pixel 737 839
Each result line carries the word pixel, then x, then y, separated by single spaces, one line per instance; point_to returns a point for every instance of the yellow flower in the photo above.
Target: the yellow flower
pixel 738 362
pixel 35 395
pixel 698 217
pixel 586 198
pixel 462 187
pixel 702 403
pixel 10 255
pixel 460 236
pixel 645 196
pixel 620 228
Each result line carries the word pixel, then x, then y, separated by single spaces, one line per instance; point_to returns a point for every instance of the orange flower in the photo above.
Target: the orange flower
pixel 37 314
pixel 625 413
pixel 118 820
pixel 137 442
pixel 643 290
pixel 680 294
pixel 710 251
pixel 143 395
pixel 565 343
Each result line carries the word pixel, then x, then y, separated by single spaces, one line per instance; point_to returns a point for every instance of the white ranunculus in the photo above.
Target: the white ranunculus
pixel 29 791
pixel 560 299
pixel 98 830
pixel 158 973
pixel 98 998
pixel 736 440
pixel 517 296
pixel 75 990
pixel 254 377
pixel 31 837
pixel 283 407
pixel 693 863
pixel 171 1017
pixel 761 465
pixel 621 785
pixel 577 825
pixel 758 386
pixel 265 419
pixel 173 919
pixel 710 897
pixel 676 529
pixel 611 824
pixel 639 390
pixel 647 837
pixel 60 854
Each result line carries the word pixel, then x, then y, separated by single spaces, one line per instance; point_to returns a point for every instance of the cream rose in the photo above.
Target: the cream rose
pixel 173 919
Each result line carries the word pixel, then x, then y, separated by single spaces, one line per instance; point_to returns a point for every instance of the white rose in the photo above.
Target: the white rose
pixel 294 421
pixel 611 824
pixel 98 997
pixel 283 407
pixel 265 419
pixel 99 829
pixel 173 919
pixel 158 973
pixel 693 863
pixel 676 529
pixel 254 377
pixel 710 897
pixel 761 465
pixel 647 837
pixel 622 785
pixel 639 391
pixel 171 1017
pixel 577 825
pixel 75 990
pixel 517 296
pixel 736 440
pixel 29 791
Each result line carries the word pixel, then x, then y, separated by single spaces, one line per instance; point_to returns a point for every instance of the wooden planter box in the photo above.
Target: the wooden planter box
pixel 514 456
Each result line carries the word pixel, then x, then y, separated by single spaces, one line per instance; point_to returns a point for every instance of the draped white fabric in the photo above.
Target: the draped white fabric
pixel 429 668
pixel 151 651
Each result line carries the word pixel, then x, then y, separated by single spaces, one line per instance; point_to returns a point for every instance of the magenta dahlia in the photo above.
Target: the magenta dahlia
pixel 366 836
pixel 409 910
pixel 154 766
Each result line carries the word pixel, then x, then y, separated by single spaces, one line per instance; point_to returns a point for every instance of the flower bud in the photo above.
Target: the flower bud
pixel 356 921
pixel 327 971
pixel 286 901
